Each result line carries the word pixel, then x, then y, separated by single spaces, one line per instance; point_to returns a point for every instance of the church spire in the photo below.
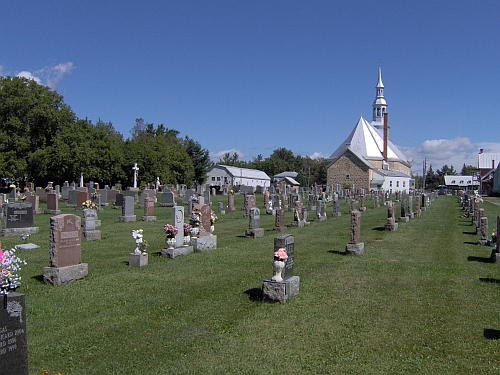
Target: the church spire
pixel 379 104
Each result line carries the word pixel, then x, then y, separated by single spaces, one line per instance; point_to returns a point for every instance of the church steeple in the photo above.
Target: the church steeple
pixel 379 104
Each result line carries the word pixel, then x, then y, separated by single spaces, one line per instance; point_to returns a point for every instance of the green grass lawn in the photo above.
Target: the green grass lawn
pixel 421 300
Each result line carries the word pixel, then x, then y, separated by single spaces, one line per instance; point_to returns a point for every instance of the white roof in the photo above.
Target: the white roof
pixel 366 141
pixel 486 160
pixel 460 180
pixel 244 172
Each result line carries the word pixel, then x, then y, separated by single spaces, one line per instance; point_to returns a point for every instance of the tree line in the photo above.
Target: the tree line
pixel 42 140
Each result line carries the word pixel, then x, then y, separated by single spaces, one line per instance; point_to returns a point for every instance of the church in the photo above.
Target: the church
pixel 367 159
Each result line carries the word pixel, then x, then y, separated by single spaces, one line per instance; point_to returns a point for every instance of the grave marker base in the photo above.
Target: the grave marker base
pixel 148 218
pixel 391 227
pixel 64 275
pixel 355 248
pixel 280 291
pixel 404 219
pixel 177 252
pixel 138 260
pixel 91 235
pixel 204 243
pixel 9 232
pixel 254 233
pixel 127 219
pixel 337 214
pixel 52 212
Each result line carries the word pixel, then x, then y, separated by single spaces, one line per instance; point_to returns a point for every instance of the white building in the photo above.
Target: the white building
pixel 226 175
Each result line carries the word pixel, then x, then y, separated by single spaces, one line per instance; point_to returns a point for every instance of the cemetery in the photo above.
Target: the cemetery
pixel 419 299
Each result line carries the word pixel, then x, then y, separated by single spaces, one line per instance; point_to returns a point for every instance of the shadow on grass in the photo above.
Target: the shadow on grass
pixel 474 233
pixel 254 294
pixel 471 243
pixel 491 334
pixel 38 278
pixel 337 252
pixel 489 280
pixel 479 259
pixel 380 229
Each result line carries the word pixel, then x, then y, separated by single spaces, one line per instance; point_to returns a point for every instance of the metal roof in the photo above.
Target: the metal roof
pixel 244 172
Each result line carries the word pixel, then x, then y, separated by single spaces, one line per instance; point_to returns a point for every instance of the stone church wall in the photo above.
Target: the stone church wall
pixel 348 169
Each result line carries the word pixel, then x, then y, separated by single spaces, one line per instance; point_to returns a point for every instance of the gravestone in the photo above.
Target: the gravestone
pixel 311 201
pixel 495 253
pixel 65 251
pixel 179 249
pixel 206 196
pixel 404 216
pixel 118 201
pixel 18 219
pixel 293 198
pixel 103 193
pixel 483 230
pixel 362 203
pixel 13 339
pixel 266 199
pixel 149 210
pixel 42 193
pixel 89 225
pixel 128 210
pixel 131 193
pixel 65 190
pixel 410 207
pixel 249 203
pixel 355 247
pixel 52 204
pixel 80 199
pixel 280 220
pixel 281 291
pixel 220 208
pixel 391 224
pixel 336 206
pixel 320 211
pixel 205 240
pixel 167 199
pixel 72 198
pixel 35 202
pixel 298 220
pixel 254 230
pixel 112 196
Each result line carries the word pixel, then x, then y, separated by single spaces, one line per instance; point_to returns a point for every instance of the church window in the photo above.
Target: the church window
pixel 404 183
pixel 390 183
pixel 397 183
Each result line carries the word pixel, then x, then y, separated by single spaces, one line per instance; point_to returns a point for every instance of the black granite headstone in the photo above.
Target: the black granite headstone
pixel 19 215
pixel 287 242
pixel 13 342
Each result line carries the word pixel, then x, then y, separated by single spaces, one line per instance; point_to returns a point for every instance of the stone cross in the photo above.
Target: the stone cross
pixel 135 168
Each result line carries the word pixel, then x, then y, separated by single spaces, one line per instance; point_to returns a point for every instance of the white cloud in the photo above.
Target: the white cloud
pixel 453 152
pixel 49 76
pixel 319 155
pixel 28 75
pixel 216 156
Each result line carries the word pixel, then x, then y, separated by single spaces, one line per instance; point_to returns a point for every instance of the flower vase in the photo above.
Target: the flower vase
pixel 195 231
pixel 186 240
pixel 170 242
pixel 212 228
pixel 278 267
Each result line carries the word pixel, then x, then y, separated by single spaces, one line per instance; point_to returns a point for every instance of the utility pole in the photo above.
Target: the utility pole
pixel 425 172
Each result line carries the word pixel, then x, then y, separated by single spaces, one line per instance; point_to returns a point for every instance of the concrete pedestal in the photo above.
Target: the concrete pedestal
pixel 148 218
pixel 138 260
pixel 177 252
pixel 126 219
pixel 280 291
pixel 64 275
pixel 254 233
pixel 9 232
pixel 204 243
pixel 355 248
pixel 91 235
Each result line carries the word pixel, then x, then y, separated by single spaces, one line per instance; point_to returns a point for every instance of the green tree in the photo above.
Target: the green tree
pixel 200 159
pixel 467 170
pixel 31 115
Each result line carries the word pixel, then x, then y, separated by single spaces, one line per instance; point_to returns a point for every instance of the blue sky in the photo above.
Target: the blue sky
pixel 252 76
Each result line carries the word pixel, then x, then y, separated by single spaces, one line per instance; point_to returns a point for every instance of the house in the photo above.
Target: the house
pixel 227 175
pixel 367 159
pixel 461 182
pixel 487 163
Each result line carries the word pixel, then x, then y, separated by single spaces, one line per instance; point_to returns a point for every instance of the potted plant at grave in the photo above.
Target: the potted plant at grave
pixel 88 204
pixel 279 264
pixel 187 234
pixel 10 265
pixel 231 192
pixel 170 231
pixel 140 245
pixel 195 222
pixel 213 218
pixel 494 236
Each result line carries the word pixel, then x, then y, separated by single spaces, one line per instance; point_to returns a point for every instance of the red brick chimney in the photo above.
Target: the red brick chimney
pixel 386 135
